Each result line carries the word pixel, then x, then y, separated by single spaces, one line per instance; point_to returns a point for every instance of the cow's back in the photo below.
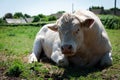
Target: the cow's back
pixel 96 36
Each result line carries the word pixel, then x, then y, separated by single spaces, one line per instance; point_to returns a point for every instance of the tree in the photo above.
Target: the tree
pixel 36 19
pixel 41 16
pixel 1 21
pixel 18 15
pixel 27 16
pixel 60 12
pixel 114 8
pixel 51 18
pixel 8 15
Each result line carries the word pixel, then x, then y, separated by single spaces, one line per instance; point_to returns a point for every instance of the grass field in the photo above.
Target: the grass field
pixel 16 43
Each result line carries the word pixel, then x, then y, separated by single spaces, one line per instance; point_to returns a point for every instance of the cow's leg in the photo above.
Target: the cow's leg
pixel 37 48
pixel 106 60
pixel 59 58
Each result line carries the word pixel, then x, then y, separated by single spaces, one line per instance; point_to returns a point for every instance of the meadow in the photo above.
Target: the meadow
pixel 16 44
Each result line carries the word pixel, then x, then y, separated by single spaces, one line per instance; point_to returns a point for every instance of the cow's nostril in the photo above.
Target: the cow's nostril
pixel 62 48
pixel 66 47
pixel 70 47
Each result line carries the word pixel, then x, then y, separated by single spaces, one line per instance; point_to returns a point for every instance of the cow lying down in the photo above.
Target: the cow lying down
pixel 78 38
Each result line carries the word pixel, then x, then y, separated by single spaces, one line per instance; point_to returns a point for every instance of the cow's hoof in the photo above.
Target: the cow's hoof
pixel 106 63
pixel 32 58
pixel 106 60
pixel 63 63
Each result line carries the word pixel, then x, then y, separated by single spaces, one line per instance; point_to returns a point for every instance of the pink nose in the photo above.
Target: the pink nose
pixel 66 48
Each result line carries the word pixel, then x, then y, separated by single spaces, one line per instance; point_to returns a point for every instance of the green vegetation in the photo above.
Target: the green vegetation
pixel 18 15
pixel 36 19
pixel 52 18
pixel 35 24
pixel 15 69
pixel 16 44
pixel 110 21
pixel 42 17
pixel 8 15
pixel 96 7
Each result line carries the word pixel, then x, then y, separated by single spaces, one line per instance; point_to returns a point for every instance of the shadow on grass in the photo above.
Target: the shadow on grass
pixel 78 72
pixel 71 71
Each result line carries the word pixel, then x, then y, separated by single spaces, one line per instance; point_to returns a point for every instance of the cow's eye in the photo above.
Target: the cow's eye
pixel 76 32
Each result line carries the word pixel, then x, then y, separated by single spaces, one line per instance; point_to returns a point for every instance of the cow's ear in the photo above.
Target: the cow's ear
pixel 53 27
pixel 87 23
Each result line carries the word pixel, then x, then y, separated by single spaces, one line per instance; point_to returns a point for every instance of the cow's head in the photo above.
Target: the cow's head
pixel 70 28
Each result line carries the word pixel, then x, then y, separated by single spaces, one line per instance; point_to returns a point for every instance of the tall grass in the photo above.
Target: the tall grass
pixel 110 21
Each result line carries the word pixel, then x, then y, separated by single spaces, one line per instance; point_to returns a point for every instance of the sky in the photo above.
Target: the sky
pixel 47 7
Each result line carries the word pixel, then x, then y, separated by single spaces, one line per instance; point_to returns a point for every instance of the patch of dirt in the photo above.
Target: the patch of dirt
pixel 106 76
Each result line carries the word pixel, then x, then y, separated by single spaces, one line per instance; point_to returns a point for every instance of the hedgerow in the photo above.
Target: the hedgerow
pixel 110 21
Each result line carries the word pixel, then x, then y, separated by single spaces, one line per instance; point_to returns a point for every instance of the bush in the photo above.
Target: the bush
pixel 52 18
pixel 2 21
pixel 36 19
pixel 41 16
pixel 36 24
pixel 15 69
pixel 110 21
pixel 44 19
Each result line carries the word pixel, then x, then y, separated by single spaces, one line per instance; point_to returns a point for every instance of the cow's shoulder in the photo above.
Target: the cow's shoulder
pixel 44 29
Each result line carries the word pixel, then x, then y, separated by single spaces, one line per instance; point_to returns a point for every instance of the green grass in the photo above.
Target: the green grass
pixel 16 44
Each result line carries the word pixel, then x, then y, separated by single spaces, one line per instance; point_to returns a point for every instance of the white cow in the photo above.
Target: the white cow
pixel 78 38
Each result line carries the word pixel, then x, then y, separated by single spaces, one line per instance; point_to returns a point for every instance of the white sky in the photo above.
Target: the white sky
pixel 34 7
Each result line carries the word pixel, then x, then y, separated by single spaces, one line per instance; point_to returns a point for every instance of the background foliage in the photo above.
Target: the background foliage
pixel 110 21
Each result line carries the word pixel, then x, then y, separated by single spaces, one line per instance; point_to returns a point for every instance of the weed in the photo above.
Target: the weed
pixel 15 69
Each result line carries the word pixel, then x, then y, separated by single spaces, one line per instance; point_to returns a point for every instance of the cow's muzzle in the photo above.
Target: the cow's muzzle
pixel 67 49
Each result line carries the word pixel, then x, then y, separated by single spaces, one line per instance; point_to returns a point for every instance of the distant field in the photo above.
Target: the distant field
pixel 16 43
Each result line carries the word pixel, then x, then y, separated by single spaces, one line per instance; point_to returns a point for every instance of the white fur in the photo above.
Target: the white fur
pixel 48 40
pixel 97 46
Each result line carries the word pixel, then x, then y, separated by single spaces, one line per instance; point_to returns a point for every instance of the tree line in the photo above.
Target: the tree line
pixel 37 18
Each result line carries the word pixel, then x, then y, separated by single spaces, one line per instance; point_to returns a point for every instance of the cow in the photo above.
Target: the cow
pixel 78 38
